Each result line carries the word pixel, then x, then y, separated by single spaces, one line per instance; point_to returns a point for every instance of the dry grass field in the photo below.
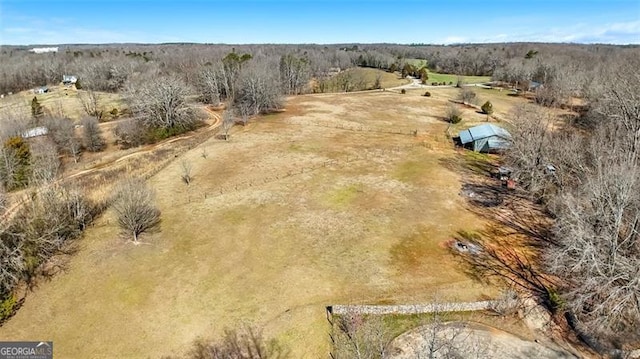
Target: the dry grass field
pixel 332 201
pixel 59 101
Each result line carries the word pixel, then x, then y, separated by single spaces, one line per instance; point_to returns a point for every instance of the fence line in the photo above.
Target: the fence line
pixel 355 128
pixel 288 173
pixel 412 308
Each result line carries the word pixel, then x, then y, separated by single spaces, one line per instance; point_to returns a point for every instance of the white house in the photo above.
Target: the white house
pixel 41 90
pixel 42 50
pixel 69 79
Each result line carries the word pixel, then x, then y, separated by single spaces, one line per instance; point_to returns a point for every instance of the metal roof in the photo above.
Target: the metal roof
pixel 484 131
pixel 35 132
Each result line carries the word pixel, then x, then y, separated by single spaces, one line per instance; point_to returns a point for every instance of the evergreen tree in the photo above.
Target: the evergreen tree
pixel 15 159
pixel 37 111
pixel 487 108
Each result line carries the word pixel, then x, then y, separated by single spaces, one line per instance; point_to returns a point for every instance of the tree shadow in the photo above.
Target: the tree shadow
pixel 510 246
pixel 499 255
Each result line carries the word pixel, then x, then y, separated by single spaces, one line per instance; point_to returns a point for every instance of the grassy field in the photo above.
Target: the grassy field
pixel 365 78
pixel 59 101
pixel 437 77
pixel 417 62
pixel 386 80
pixel 321 204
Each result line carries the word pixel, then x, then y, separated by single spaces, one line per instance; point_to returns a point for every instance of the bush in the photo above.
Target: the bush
pixel 7 306
pixel 114 113
pixel 454 115
pixel 427 94
pixel 555 301
pixel 130 133
pixel 434 83
pixel 403 91
pixel 467 96
pixel 487 108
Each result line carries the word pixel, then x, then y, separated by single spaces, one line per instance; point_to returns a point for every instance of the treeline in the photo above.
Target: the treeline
pixel 112 67
pixel 586 173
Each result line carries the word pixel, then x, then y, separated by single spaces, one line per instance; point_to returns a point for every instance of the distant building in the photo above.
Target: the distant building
pixel 534 85
pixel 42 50
pixel 485 138
pixel 69 79
pixel 41 90
pixel 35 132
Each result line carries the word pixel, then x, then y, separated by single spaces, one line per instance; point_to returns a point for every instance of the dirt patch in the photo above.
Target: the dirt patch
pixel 470 340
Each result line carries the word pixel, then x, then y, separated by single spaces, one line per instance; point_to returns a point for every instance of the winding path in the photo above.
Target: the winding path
pixel 22 195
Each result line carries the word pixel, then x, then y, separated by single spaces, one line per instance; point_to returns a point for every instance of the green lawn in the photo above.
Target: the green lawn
pixel 437 77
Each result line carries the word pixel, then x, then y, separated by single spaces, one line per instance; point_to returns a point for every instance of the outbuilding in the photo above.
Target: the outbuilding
pixel 69 79
pixel 485 138
pixel 35 132
pixel 41 90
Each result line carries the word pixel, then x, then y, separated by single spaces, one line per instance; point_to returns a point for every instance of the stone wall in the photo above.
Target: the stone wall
pixel 411 308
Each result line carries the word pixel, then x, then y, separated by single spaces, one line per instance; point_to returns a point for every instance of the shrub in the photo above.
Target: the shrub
pixel 403 91
pixel 487 108
pixel 7 306
pixel 434 83
pixel 130 133
pixel 454 115
pixel 427 94
pixel 467 96
pixel 555 301
pixel 114 113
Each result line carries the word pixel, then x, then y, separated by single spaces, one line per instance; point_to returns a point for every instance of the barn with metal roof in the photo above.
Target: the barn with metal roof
pixel 485 138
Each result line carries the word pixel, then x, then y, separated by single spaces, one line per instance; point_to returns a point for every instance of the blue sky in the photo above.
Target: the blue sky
pixel 24 22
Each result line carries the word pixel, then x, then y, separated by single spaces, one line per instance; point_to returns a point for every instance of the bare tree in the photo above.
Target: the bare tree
pixel 90 101
pixel 529 152
pixel 63 133
pixel 10 168
pixel 228 121
pixel 15 161
pixel 295 74
pixel 211 85
pixel 162 104
pixel 45 163
pixel 92 135
pixel 134 206
pixel 361 337
pixel 130 133
pixel 454 115
pixel 258 89
pixel 185 171
pixel 592 181
pixel 467 96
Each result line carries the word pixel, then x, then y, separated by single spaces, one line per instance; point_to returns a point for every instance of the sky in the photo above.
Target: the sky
pixel 29 22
